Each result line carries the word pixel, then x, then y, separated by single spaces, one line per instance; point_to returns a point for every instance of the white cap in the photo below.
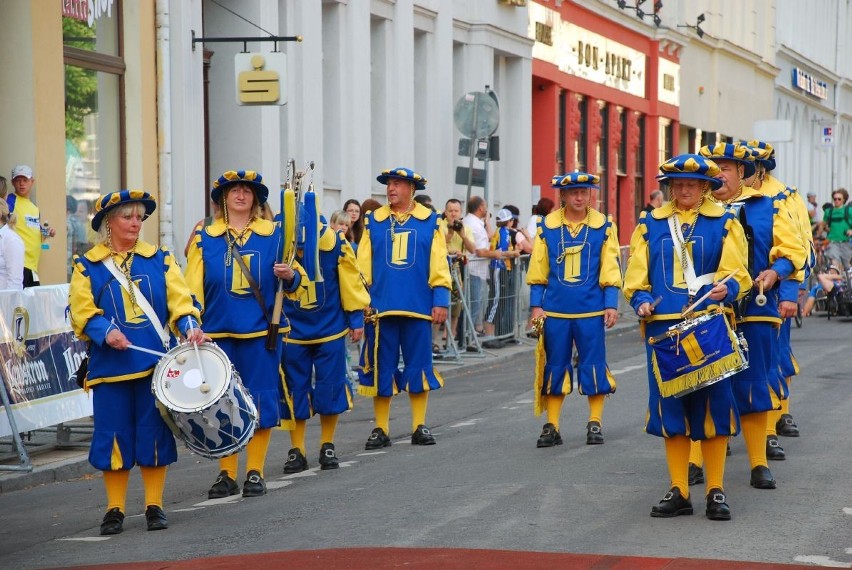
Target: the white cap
pixel 504 215
pixel 22 170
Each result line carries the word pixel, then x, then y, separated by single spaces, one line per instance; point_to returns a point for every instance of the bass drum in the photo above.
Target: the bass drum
pixel 203 400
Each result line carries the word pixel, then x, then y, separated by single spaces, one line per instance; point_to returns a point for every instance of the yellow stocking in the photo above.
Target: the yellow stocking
pixel 695 455
pixel 419 402
pixel 596 406
pixel 328 425
pixel 256 450
pixel 230 464
pixel 115 483
pixel 297 435
pixel 554 408
pixel 754 434
pixel 381 409
pixel 677 458
pixel 154 481
pixel 715 450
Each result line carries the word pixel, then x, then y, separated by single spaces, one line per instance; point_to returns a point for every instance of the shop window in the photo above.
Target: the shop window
pixel 560 156
pixel 580 144
pixel 603 158
pixel 622 146
pixel 639 173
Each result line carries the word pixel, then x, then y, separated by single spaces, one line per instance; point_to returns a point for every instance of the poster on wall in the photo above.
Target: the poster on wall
pixel 38 355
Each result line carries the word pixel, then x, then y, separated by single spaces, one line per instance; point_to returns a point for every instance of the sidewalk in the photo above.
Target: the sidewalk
pixel 53 463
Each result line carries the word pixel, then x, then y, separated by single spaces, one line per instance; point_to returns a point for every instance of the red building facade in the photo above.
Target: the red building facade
pixel 605 101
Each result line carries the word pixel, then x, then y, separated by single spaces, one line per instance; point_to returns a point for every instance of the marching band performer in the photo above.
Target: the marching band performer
pixel 775 253
pixel 316 345
pixel 403 256
pixel 232 269
pixel 575 280
pixel 678 252
pixel 110 285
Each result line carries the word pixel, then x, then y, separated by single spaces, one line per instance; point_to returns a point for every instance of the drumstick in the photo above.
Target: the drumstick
pixel 204 387
pixel 148 350
pixel 707 294
pixel 760 299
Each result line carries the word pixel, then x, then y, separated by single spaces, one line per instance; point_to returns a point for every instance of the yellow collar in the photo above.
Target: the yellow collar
pixel 709 208
pixel 101 251
pixel 554 219
pixel 419 211
pixel 258 226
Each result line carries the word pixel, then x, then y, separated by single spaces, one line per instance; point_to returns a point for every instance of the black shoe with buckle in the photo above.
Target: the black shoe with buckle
pixel 696 475
pixel 422 436
pixel 327 458
pixel 296 462
pixel 377 440
pixel 223 487
pixel 785 426
pixel 113 522
pixel 156 518
pixel 594 435
pixel 774 451
pixel 254 485
pixel 672 505
pixel 549 436
pixel 761 478
pixel 717 506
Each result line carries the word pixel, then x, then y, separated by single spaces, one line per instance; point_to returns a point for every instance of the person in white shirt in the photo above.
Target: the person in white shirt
pixel 11 253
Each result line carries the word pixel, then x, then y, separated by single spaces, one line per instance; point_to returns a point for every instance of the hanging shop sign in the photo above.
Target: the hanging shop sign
pixel 260 78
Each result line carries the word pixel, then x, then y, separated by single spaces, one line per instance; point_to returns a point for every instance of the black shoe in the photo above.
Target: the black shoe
pixel 254 485
pixel 761 478
pixel 549 436
pixel 422 436
pixel 717 506
pixel 223 487
pixel 327 458
pixel 696 475
pixel 728 450
pixel 774 451
pixel 296 462
pixel 113 522
pixel 594 435
pixel 786 427
pixel 156 518
pixel 672 505
pixel 377 440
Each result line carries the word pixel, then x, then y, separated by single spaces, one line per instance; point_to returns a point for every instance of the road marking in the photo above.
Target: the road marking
pixel 86 538
pixel 628 368
pixel 186 510
pixel 222 501
pixel 277 484
pixel 822 561
pixel 471 422
pixel 308 473
pixel 847 510
pixel 347 463
pixel 524 401
pixel 370 453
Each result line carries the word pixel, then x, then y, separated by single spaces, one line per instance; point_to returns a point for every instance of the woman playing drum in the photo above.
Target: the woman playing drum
pixel 232 269
pixel 110 284
pixel 690 236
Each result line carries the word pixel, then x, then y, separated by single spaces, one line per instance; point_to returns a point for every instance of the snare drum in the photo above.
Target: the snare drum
pixel 697 353
pixel 212 413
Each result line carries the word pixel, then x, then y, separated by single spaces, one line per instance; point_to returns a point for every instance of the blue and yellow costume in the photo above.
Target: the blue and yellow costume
pixel 233 314
pixel 320 320
pixel 773 243
pixel 128 428
pixel 655 272
pixel 574 276
pixel 403 258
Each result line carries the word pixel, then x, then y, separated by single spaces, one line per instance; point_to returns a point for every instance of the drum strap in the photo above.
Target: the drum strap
pixel 141 301
pixel 693 283
pixel 252 282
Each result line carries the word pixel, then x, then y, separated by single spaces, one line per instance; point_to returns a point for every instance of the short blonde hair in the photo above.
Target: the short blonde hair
pixel 339 217
pixel 4 212
pixel 103 231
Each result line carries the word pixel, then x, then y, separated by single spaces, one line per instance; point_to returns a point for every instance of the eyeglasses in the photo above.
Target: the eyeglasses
pixel 838 198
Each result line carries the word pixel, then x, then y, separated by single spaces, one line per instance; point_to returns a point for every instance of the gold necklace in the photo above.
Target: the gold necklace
pixel 229 255
pixel 125 269
pixel 399 218
pixel 688 237
pixel 564 251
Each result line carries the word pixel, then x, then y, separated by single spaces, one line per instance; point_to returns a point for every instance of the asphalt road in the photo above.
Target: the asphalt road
pixel 485 484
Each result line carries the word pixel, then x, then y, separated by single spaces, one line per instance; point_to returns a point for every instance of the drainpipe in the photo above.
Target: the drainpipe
pixel 164 127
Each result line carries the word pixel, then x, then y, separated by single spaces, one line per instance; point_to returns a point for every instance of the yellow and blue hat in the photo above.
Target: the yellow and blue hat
pixel 112 200
pixel 691 166
pixel 403 174
pixel 574 180
pixel 731 151
pixel 763 153
pixel 250 178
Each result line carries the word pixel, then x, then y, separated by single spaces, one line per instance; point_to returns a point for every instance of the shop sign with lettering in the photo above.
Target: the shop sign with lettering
pixel 668 82
pixel 809 84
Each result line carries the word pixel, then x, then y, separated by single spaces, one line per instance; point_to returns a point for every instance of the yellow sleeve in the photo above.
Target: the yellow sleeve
pixel 786 238
pixel 636 275
pixel 610 254
pixel 194 272
pixel 178 296
pixel 539 269
pixel 735 257
pixel 353 293
pixel 81 301
pixel 365 253
pixel 439 266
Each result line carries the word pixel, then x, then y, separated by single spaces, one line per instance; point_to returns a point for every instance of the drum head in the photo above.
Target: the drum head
pixel 182 384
